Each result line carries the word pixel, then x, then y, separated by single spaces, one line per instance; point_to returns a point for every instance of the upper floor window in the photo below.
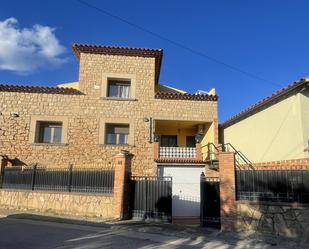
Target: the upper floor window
pixel 119 88
pixel 49 132
pixel 117 133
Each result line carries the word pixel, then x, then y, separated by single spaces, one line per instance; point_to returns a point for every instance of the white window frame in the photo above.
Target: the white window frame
pixel 52 125
pixel 102 130
pixel 119 84
pixel 35 128
pixel 117 134
pixel 106 77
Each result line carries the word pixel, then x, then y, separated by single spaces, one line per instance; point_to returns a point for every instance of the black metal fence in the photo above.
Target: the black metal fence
pixel 151 198
pixel 70 179
pixel 273 185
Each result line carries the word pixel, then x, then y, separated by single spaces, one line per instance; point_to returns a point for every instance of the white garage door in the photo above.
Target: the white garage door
pixel 186 190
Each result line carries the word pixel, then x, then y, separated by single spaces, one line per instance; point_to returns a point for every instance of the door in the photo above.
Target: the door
pixel 185 191
pixel 168 141
pixel 190 141
pixel 210 202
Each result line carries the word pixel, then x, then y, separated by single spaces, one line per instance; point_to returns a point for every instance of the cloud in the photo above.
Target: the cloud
pixel 25 50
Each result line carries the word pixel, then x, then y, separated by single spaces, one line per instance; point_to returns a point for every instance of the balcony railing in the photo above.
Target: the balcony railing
pixel 177 152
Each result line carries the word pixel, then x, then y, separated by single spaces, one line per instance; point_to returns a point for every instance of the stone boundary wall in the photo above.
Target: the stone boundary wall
pixel 77 204
pixel 113 206
pixel 279 219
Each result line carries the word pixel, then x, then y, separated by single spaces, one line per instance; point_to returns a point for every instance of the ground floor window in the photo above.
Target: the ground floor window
pixel 49 132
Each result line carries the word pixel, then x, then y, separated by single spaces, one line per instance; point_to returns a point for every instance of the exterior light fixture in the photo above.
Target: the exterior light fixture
pixel 146 119
pixel 14 114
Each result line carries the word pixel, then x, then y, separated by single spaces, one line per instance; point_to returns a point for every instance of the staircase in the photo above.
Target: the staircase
pixel 212 160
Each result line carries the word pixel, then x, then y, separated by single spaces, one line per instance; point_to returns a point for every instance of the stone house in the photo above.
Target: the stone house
pixel 276 128
pixel 117 104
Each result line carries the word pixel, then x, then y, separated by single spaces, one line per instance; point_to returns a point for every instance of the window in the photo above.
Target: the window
pixel 49 132
pixel 117 133
pixel 119 88
pixel 168 141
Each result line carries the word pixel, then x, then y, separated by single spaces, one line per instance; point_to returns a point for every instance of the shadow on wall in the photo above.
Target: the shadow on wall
pixel 186 206
pixel 277 217
pixel 12 162
pixel 164 205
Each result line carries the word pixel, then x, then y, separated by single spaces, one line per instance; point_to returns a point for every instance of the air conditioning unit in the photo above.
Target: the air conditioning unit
pixel 200 129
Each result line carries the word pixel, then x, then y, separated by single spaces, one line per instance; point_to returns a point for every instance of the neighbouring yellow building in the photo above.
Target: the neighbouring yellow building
pixel 275 128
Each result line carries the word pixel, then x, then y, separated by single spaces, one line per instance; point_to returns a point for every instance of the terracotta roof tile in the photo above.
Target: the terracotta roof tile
pixel 38 89
pixel 185 96
pixel 299 84
pixel 125 51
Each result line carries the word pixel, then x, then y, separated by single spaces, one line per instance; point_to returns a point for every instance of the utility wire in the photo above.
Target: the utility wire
pixel 178 44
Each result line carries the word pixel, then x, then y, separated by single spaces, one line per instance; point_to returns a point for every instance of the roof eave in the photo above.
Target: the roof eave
pixel 303 82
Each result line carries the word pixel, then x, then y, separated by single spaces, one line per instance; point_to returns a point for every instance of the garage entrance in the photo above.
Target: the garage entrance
pixel 185 191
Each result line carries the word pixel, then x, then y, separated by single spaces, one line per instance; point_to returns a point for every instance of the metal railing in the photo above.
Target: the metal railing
pixel 212 151
pixel 95 180
pixel 273 185
pixel 177 152
pixel 240 158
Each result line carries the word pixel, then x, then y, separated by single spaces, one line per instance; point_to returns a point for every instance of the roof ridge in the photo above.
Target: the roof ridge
pixel 116 47
pixel 267 99
pixel 25 85
pixel 185 96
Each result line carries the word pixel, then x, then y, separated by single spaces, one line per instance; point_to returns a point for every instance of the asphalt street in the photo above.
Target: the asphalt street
pixel 25 233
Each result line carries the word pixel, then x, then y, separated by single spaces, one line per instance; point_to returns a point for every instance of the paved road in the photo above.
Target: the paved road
pixel 16 233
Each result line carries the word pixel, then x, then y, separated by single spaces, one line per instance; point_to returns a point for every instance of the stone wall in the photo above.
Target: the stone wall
pixel 94 205
pixel 85 114
pixel 283 219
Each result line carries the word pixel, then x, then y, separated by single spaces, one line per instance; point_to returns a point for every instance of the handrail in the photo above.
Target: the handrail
pixel 240 158
pixel 239 153
pixel 212 149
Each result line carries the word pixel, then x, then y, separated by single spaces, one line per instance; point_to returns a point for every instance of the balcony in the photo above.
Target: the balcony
pixel 181 141
pixel 177 152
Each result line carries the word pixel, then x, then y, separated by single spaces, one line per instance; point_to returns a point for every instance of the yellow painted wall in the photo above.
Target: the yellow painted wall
pixel 208 138
pixel 181 133
pixel 304 105
pixel 275 133
pixel 74 85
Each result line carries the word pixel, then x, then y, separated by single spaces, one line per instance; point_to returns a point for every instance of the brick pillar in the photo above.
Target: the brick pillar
pixel 121 185
pixel 227 190
pixel 198 148
pixel 156 148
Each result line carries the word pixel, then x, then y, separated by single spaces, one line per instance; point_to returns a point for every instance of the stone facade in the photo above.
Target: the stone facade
pixel 58 202
pixel 290 220
pixel 85 114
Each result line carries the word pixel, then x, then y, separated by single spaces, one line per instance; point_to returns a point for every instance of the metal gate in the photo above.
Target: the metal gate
pixel 151 198
pixel 210 202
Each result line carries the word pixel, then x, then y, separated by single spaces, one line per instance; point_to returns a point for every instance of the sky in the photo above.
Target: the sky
pixel 257 47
